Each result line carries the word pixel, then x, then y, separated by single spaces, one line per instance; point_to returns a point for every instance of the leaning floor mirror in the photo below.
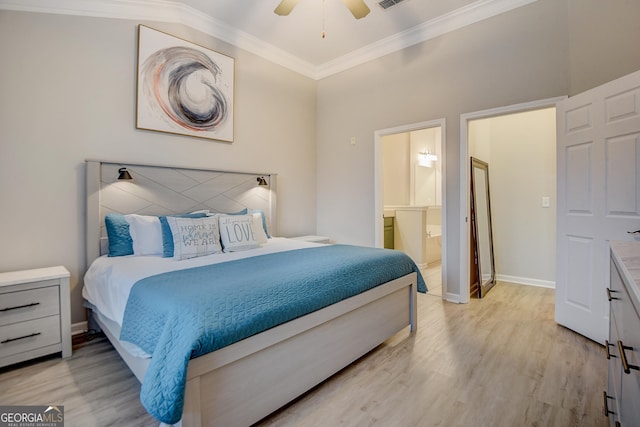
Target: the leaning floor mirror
pixel 481 226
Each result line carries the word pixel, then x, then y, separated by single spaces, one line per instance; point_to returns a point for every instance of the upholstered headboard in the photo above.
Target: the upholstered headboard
pixel 163 190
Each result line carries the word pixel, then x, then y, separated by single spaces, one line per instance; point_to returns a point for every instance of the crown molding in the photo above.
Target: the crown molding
pixel 459 18
pixel 174 12
pixel 165 11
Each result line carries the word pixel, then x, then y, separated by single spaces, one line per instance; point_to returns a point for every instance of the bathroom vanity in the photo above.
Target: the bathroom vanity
pixel 417 231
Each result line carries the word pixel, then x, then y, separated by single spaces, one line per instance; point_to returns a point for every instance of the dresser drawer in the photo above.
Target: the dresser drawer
pixel 629 330
pixel 30 304
pixel 29 335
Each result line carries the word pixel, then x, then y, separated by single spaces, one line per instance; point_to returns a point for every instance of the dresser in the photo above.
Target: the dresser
pixel 34 314
pixel 621 400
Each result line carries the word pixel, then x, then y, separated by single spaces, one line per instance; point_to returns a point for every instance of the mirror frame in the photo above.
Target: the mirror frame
pixel 484 286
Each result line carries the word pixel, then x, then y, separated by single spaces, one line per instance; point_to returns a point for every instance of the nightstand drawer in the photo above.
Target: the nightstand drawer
pixel 29 304
pixel 29 335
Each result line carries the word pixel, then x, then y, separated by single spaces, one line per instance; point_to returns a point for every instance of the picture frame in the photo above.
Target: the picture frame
pixel 183 88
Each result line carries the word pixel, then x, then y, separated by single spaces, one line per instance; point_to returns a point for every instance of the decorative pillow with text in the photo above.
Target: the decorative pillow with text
pixel 236 233
pixel 194 237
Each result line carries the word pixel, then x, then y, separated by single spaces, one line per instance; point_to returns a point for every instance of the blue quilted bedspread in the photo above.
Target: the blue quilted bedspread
pixel 183 314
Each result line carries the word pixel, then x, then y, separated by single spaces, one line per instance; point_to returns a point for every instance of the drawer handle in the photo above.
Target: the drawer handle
pixel 625 365
pixel 20 306
pixel 606 404
pixel 35 334
pixel 609 292
pixel 607 344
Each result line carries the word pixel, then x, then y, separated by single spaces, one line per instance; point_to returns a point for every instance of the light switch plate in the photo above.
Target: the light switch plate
pixel 546 202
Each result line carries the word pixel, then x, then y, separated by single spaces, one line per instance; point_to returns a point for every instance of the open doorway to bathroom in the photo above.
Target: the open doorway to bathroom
pixel 410 196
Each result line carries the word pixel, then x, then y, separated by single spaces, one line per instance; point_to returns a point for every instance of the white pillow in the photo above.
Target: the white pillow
pixel 194 237
pixel 146 234
pixel 237 232
pixel 258 230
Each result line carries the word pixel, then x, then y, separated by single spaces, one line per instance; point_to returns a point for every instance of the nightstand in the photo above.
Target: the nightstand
pixel 35 317
pixel 313 239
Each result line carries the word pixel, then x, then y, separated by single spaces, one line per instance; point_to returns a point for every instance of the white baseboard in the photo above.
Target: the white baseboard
pixel 79 328
pixel 526 281
pixel 454 298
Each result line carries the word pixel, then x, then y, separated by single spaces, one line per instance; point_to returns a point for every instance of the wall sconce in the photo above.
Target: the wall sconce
pixel 123 174
pixel 261 181
pixel 426 159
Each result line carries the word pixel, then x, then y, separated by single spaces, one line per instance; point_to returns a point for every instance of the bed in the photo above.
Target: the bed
pixel 233 379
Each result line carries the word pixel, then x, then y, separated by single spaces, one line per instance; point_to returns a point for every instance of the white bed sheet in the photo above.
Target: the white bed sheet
pixel 109 280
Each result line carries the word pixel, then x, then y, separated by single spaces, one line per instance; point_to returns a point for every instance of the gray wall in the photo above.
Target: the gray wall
pixel 603 40
pixel 545 49
pixel 518 56
pixel 67 94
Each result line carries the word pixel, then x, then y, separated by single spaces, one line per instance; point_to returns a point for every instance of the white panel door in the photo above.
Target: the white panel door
pixel 598 176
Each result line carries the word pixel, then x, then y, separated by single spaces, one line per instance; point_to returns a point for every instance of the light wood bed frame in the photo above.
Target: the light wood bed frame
pixel 240 384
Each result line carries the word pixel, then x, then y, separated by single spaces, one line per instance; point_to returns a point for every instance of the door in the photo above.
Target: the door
pixel 598 177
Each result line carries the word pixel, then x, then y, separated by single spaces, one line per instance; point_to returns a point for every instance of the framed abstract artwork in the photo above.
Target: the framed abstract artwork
pixel 183 88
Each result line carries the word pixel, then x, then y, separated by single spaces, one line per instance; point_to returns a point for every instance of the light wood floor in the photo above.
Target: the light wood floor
pixel 500 361
pixel 432 275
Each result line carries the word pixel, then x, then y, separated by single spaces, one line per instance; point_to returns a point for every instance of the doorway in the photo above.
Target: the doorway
pixel 410 206
pixel 523 192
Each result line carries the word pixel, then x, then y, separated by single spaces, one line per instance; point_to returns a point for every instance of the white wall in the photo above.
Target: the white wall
pixel 520 149
pixel 479 137
pixel 67 94
pixel 395 169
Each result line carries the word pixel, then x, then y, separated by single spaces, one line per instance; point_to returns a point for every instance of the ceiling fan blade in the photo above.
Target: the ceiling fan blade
pixel 285 7
pixel 358 8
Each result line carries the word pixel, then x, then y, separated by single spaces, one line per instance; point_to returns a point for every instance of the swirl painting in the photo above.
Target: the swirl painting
pixel 183 88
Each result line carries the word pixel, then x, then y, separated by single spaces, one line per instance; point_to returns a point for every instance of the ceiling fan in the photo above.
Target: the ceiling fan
pixel 358 8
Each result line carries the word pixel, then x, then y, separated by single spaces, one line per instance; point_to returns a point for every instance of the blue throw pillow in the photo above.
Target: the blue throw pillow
pixel 120 242
pixel 242 212
pixel 167 236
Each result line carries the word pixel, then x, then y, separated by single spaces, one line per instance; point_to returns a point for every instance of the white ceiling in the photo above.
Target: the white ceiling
pixel 295 41
pixel 299 33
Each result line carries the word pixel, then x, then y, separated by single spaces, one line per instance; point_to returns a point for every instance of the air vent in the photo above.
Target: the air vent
pixel 386 4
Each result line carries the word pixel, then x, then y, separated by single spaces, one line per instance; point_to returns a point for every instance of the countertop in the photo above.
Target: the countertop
pixel 411 208
pixel 390 210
